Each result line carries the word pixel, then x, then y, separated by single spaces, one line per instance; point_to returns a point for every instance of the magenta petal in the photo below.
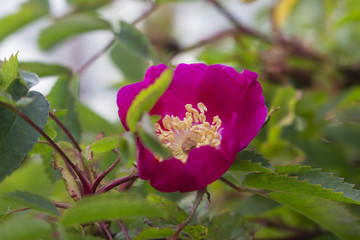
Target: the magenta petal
pixel 153 73
pixel 204 166
pixel 125 97
pixel 180 91
pixel 146 162
pixel 167 175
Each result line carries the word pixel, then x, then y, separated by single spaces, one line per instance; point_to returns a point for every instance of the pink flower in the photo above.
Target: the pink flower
pixel 209 113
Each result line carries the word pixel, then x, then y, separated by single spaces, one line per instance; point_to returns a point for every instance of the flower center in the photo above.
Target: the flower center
pixel 181 136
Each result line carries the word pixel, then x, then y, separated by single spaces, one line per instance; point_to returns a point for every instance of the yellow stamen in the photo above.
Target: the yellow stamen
pixel 192 132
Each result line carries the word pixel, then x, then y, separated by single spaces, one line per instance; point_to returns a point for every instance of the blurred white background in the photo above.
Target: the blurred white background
pixel 193 21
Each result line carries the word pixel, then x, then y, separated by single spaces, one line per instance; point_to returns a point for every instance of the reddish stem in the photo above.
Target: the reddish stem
pixel 117 182
pixel 102 175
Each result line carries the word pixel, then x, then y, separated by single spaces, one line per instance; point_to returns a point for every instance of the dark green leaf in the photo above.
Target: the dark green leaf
pixel 44 69
pixel 176 214
pixel 197 232
pixel 251 162
pixel 109 206
pixel 16 229
pixel 106 144
pixel 331 215
pixel 311 182
pixel 147 98
pixel 17 137
pixel 68 27
pixel 28 12
pixel 131 65
pixel 33 201
pixel 230 226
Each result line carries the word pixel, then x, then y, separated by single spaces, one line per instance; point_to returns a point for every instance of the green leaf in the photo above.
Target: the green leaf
pixel 68 27
pixel 86 4
pixel 308 182
pixel 149 138
pixel 176 214
pixel 24 228
pixel 44 69
pixel 106 144
pixel 155 233
pixel 29 11
pixel 197 232
pixel 33 201
pixel 8 71
pixel 147 98
pixel 331 215
pixel 127 147
pixel 17 137
pixel 108 206
pixel 31 79
pixel 131 65
pixel 135 41
pixel 62 97
pixel 72 184
pixel 251 162
pixel 230 226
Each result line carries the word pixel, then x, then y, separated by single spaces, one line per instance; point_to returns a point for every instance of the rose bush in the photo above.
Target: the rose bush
pixel 208 114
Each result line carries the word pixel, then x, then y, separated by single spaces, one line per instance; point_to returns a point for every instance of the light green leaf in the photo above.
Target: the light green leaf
pixel 106 144
pixel 8 71
pixel 33 201
pixel 86 4
pixel 44 69
pixel 17 137
pixel 127 147
pixel 135 41
pixel 29 11
pixel 149 138
pixel 251 162
pixel 109 206
pixel 197 232
pixel 155 233
pixel 330 215
pixel 147 98
pixel 16 229
pixel 72 184
pixel 68 27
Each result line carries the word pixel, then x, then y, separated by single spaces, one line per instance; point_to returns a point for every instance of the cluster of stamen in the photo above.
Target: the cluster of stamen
pixel 180 136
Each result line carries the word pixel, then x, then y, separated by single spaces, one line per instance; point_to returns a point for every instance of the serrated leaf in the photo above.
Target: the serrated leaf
pixel 17 137
pixel 108 206
pixel 29 11
pixel 149 138
pixel 135 41
pixel 8 71
pixel 155 233
pixel 251 162
pixel 33 201
pixel 44 69
pixel 330 215
pixel 293 184
pixel 147 98
pixel 71 180
pixel 326 180
pixel 68 27
pixel 30 229
pixel 62 97
pixel 176 214
pixel 106 144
